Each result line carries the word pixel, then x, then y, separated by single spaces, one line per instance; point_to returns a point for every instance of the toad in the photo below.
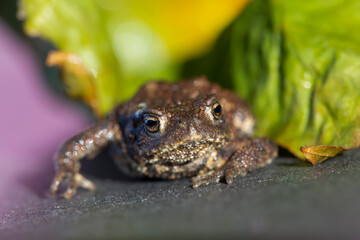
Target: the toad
pixel 193 128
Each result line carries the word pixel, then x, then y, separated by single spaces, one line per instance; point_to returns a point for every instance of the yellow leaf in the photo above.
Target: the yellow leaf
pixel 318 154
pixel 73 68
pixel 188 27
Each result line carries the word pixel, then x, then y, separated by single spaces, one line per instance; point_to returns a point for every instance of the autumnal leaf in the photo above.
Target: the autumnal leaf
pixel 79 81
pixel 318 154
pixel 122 44
pixel 298 65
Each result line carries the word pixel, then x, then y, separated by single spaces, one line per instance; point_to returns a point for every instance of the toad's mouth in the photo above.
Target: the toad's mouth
pixel 179 154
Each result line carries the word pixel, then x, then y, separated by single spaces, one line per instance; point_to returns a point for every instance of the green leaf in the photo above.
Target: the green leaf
pixel 298 64
pixel 118 45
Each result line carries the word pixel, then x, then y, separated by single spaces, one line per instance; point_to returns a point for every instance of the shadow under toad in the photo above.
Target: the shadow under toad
pixel 289 160
pixel 103 167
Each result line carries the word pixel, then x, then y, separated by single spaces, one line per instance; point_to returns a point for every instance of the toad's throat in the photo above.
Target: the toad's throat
pixel 178 154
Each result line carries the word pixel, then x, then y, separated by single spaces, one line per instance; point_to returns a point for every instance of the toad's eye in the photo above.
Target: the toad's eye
pixel 216 110
pixel 152 123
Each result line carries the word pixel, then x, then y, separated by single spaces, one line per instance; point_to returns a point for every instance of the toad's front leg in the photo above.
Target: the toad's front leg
pixel 242 156
pixel 68 158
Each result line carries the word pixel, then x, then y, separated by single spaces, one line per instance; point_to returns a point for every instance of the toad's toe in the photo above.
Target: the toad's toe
pixel 207 178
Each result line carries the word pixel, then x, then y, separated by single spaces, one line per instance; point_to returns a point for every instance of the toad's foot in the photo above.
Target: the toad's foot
pixel 73 182
pixel 243 155
pixel 228 172
pixel 86 143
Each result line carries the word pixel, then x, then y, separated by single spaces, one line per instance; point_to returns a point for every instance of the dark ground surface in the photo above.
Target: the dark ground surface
pixel 287 199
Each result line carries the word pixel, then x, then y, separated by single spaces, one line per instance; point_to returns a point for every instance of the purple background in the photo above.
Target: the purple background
pixel 33 122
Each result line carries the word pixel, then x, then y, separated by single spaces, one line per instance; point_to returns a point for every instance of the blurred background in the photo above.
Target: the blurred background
pixel 36 115
pixel 64 64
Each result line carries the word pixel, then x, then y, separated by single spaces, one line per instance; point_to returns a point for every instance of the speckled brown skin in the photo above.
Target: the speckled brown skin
pixel 171 131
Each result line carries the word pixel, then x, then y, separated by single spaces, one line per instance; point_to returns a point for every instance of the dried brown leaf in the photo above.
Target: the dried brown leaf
pixel 318 154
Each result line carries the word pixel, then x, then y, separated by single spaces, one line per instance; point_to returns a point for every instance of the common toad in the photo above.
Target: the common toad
pixel 193 128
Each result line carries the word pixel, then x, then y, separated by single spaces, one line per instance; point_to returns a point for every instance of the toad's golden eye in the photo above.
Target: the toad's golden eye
pixel 216 110
pixel 152 124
